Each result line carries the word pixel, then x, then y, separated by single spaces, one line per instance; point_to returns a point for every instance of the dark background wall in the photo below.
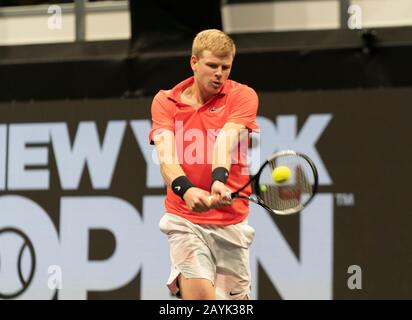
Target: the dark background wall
pixel 281 61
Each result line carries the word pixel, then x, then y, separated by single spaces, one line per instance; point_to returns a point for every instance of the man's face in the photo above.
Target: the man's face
pixel 211 71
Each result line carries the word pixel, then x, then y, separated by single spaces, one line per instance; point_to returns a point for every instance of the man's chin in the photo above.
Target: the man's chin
pixel 215 88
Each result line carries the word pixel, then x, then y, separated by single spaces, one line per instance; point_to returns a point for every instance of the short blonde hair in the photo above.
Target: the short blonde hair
pixel 214 40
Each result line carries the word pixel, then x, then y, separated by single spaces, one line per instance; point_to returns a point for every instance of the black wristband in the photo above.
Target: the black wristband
pixel 221 174
pixel 180 185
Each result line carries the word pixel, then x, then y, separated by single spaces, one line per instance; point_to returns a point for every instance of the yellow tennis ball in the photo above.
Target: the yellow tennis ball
pixel 281 174
pixel 263 188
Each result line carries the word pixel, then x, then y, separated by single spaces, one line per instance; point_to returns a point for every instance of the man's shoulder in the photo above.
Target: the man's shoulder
pixel 173 94
pixel 237 88
pixel 162 96
pixel 161 101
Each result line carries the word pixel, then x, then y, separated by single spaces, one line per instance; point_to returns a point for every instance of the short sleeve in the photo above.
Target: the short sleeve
pixel 243 103
pixel 162 115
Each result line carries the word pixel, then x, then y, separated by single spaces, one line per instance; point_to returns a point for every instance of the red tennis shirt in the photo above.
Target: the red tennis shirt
pixel 195 132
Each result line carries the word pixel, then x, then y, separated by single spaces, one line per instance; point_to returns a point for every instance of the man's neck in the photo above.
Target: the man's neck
pixel 193 97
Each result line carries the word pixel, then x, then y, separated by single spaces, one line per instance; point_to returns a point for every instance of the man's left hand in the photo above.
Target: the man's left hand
pixel 221 194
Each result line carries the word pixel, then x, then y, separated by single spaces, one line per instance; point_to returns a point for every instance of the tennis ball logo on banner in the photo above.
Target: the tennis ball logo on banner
pixel 17 262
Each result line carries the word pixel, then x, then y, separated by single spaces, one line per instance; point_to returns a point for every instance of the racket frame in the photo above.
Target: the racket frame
pixel 255 179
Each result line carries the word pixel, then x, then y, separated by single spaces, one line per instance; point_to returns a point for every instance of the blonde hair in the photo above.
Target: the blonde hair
pixel 214 40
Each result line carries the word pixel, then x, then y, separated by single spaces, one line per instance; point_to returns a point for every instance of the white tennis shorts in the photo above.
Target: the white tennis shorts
pixel 217 253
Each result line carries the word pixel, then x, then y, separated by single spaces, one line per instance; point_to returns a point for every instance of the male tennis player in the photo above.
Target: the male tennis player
pixel 198 127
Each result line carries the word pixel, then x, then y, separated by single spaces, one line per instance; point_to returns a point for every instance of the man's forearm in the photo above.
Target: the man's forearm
pixel 170 172
pixel 227 140
pixel 167 154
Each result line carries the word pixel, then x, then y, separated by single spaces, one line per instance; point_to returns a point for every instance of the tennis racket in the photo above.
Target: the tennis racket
pixel 283 197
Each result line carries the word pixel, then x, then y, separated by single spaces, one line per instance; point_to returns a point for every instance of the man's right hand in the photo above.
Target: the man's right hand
pixel 198 200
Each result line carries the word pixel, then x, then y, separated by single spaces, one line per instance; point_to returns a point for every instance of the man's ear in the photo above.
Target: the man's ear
pixel 193 62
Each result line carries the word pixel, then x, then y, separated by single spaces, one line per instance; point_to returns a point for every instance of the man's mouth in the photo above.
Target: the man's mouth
pixel 216 84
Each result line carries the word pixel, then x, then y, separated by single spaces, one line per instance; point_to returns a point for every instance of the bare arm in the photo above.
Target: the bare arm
pixel 166 150
pixel 228 139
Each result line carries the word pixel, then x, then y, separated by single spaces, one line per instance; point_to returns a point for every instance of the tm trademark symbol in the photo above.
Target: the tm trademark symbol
pixel 345 199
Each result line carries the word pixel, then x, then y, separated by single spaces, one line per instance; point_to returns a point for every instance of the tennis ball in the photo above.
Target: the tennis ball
pixel 263 188
pixel 281 174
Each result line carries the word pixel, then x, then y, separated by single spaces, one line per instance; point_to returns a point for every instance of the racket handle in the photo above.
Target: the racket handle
pixel 237 195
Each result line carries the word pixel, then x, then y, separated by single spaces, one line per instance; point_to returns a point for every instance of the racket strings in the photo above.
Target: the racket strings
pixel 292 193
